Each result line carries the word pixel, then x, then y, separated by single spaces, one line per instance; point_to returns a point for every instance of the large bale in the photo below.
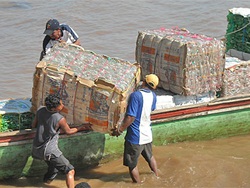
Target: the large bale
pixel 236 77
pixel 238 30
pixel 186 63
pixel 94 88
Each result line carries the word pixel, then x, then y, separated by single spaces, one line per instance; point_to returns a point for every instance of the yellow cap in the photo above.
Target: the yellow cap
pixel 152 80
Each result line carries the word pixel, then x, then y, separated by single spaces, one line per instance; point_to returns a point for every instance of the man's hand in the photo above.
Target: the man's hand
pixel 61 41
pixel 83 127
pixel 115 132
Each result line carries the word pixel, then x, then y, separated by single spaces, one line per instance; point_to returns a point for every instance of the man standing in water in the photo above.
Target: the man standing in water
pixel 49 122
pixel 56 32
pixel 138 139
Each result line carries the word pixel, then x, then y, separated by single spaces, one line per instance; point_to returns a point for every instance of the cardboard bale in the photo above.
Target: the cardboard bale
pixel 94 88
pixel 186 63
pixel 236 77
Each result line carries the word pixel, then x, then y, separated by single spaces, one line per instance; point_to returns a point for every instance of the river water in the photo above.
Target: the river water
pixel 111 28
pixel 219 163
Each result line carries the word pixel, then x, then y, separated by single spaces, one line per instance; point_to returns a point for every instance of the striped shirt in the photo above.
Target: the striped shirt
pixel 68 35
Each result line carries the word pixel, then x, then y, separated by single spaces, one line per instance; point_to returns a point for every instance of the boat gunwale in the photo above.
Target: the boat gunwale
pixel 218 105
pixel 27 134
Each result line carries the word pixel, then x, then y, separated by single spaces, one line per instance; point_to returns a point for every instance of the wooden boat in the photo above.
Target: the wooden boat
pixel 222 117
pixel 83 149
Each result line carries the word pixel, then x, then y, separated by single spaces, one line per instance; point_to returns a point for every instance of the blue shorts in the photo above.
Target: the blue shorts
pixel 133 151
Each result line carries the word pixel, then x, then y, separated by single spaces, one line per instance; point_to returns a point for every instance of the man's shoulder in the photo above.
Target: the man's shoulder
pixel 45 42
pixel 66 27
pixel 57 114
pixel 41 108
pixel 135 93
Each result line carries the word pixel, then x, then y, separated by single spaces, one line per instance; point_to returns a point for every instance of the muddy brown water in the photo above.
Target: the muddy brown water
pixel 111 27
pixel 216 163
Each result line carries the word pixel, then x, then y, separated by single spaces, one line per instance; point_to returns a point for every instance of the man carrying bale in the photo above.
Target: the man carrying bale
pixel 138 139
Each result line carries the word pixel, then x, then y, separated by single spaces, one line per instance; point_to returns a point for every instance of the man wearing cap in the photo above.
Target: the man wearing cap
pixel 138 138
pixel 56 32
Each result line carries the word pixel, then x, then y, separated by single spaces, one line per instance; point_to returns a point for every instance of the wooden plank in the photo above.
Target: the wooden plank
pixel 16 136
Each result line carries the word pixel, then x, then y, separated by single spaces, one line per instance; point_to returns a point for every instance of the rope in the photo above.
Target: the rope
pixel 235 30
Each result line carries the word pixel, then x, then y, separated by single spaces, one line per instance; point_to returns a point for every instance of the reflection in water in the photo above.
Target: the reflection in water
pixel 217 163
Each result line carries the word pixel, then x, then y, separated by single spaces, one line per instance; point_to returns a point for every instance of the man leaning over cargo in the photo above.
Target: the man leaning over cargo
pixel 138 139
pixel 56 32
pixel 49 123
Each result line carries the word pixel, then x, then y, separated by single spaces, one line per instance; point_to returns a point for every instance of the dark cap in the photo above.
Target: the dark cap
pixel 51 25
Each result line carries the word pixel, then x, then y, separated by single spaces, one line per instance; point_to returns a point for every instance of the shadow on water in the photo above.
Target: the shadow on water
pixel 96 174
pixel 25 182
pixel 80 176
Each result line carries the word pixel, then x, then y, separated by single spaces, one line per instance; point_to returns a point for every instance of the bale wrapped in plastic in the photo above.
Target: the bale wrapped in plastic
pixel 186 63
pixel 94 88
pixel 236 77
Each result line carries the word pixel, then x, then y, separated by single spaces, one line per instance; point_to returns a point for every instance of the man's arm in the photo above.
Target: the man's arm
pixel 45 43
pixel 34 123
pixel 77 42
pixel 66 128
pixel 127 121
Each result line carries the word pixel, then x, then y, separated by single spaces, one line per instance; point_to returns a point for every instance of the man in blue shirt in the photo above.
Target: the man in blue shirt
pixel 138 139
pixel 56 32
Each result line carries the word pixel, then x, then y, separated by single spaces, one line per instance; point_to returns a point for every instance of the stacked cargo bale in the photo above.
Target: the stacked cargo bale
pixel 238 30
pixel 236 77
pixel 186 63
pixel 94 88
pixel 15 114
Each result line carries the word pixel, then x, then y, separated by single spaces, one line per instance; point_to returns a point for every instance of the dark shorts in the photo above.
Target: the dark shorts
pixel 133 151
pixel 59 164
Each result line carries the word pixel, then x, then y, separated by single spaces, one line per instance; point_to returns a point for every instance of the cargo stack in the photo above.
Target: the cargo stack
pixel 238 30
pixel 186 63
pixel 15 114
pixel 94 87
pixel 236 76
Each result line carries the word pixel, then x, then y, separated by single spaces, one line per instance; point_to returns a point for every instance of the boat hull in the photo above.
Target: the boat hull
pixel 217 119
pixel 202 127
pixel 82 149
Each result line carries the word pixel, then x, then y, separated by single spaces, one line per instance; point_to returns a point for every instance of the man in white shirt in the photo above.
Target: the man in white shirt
pixel 56 32
pixel 137 121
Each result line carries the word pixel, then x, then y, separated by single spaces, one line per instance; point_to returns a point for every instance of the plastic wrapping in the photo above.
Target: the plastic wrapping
pixel 94 87
pixel 186 63
pixel 236 77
